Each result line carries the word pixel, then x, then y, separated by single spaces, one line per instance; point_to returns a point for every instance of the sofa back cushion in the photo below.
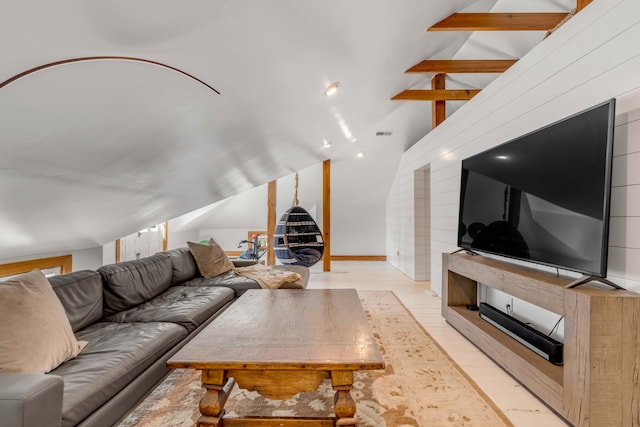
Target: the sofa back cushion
pixel 130 283
pixel 183 265
pixel 80 293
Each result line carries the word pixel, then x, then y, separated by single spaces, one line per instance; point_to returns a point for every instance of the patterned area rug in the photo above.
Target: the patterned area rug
pixel 421 385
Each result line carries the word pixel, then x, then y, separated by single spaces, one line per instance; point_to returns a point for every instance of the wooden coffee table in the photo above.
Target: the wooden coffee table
pixel 279 343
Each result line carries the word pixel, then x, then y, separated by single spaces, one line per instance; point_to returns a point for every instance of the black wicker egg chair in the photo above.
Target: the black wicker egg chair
pixel 297 239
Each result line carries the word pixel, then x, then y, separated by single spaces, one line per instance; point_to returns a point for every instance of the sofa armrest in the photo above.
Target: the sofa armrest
pixel 242 262
pixel 30 400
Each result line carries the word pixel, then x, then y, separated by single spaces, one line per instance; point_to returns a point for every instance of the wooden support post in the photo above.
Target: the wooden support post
pixel 326 214
pixel 271 221
pixel 165 236
pixel 118 250
pixel 438 108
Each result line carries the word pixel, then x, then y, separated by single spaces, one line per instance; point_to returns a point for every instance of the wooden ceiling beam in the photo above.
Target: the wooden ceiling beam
pixel 581 4
pixel 436 95
pixel 499 22
pixel 449 66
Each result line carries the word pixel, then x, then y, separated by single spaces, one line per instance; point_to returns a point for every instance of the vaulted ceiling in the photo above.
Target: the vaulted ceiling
pixel 117 115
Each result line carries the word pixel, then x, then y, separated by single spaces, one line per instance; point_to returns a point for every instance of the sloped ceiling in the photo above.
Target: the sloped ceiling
pixel 91 151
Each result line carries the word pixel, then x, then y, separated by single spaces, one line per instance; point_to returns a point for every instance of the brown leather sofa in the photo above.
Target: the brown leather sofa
pixel 134 315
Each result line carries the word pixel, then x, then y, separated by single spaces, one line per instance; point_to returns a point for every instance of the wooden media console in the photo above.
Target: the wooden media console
pixel 599 383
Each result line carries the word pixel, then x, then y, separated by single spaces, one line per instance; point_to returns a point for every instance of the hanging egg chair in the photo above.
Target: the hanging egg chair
pixel 297 239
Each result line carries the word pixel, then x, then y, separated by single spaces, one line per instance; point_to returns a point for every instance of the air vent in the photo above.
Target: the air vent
pixel 384 133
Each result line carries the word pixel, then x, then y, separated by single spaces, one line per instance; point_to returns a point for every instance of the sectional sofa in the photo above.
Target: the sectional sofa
pixel 134 316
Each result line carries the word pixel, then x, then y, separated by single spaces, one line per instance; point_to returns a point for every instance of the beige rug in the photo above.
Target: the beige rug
pixel 421 385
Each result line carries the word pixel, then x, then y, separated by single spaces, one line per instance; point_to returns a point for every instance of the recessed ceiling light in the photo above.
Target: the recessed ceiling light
pixel 332 89
pixel 326 143
pixel 354 139
pixel 360 154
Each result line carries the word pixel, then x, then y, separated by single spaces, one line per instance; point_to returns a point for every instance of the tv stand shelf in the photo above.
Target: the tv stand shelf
pixel 599 384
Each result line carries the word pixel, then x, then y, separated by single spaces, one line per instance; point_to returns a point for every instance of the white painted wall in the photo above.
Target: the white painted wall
pixel 593 57
pixel 179 239
pixel 109 253
pixel 87 259
pixel 358 229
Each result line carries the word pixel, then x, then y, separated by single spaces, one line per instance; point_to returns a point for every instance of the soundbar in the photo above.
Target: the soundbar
pixel 540 343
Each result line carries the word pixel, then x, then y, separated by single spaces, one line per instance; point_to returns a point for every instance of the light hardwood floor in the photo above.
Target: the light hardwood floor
pixel 522 408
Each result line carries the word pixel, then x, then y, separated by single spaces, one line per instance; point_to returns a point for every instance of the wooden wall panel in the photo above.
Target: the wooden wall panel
pixel 630 402
pixel 63 262
pixel 576 350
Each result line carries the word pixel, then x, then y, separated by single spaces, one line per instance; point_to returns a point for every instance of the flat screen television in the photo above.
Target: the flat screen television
pixel 544 197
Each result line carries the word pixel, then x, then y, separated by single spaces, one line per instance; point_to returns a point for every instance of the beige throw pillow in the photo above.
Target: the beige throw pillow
pixel 35 333
pixel 211 259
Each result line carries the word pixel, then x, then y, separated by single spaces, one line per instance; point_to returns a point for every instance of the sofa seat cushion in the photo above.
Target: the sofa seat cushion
pixel 188 306
pixel 116 354
pixel 230 279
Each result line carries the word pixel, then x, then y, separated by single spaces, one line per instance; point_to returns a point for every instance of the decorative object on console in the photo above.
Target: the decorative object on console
pixel 298 239
pixel 36 334
pixel 256 246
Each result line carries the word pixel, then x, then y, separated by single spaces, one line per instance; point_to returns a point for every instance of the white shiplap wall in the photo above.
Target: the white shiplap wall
pixel 422 209
pixel 624 232
pixel 593 57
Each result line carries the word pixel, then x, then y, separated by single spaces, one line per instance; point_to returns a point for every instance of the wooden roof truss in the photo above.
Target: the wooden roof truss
pixel 438 94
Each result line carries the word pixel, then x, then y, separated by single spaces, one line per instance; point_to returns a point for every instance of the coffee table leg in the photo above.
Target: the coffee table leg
pixel 344 405
pixel 212 404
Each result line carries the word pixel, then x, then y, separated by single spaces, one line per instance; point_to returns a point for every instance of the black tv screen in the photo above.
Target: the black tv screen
pixel 544 197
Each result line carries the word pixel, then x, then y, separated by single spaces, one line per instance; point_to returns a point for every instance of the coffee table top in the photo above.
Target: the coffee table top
pixel 316 329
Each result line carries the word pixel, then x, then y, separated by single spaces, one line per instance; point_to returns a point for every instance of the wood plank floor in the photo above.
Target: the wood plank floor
pixel 522 408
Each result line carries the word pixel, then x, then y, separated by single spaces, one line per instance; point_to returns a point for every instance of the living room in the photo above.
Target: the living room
pixel 591 58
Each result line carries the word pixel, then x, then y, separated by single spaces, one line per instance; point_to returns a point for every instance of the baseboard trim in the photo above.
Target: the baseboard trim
pixel 358 257
pixel 234 253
